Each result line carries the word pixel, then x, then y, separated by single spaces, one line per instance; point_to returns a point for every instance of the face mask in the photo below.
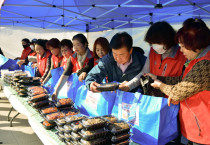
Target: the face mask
pixel 32 47
pixel 24 46
pixel 158 48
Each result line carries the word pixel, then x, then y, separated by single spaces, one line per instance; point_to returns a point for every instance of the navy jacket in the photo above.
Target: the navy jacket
pixel 108 67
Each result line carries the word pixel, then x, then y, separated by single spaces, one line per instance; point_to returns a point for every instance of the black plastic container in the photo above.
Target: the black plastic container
pixel 75 136
pixel 110 118
pixel 60 136
pixel 125 142
pixel 120 138
pixel 60 121
pixel 41 98
pixel 60 129
pixel 92 134
pixel 48 127
pixel 40 104
pixel 73 118
pixel 99 141
pixel 45 107
pixel 119 127
pixel 76 126
pixel 67 128
pixel 108 87
pixel 93 123
pixel 60 104
pixel 55 115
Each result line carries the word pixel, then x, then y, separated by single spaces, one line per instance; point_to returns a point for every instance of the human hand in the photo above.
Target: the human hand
pixel 156 84
pixel 151 75
pixel 20 62
pixel 34 65
pixel 124 87
pixel 82 76
pixel 170 100
pixel 93 87
pixel 54 95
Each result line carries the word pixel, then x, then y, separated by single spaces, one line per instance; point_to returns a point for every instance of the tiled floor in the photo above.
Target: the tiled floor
pixel 21 133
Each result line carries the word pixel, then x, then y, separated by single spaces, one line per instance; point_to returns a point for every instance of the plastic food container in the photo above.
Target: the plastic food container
pixel 40 104
pixel 39 97
pixel 92 134
pixel 125 142
pixel 67 128
pixel 99 141
pixel 93 123
pixel 108 87
pixel 76 126
pixel 75 136
pixel 60 136
pixel 53 116
pixel 60 121
pixel 120 138
pixel 110 118
pixel 67 137
pixel 73 118
pixel 47 125
pixel 60 129
pixel 119 127
pixel 64 102
pixel 48 109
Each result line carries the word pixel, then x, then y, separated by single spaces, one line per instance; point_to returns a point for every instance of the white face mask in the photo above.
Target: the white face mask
pixel 32 47
pixel 158 48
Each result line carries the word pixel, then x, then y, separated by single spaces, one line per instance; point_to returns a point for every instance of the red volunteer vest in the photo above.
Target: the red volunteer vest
pixel 170 67
pixel 25 52
pixel 42 62
pixel 32 54
pixel 75 63
pixel 196 130
pixel 64 62
pixel 56 60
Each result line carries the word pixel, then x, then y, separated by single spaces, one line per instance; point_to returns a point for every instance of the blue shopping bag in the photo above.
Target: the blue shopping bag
pixel 94 104
pixel 11 65
pixel 55 76
pixel 29 70
pixel 125 105
pixel 155 122
pixel 73 84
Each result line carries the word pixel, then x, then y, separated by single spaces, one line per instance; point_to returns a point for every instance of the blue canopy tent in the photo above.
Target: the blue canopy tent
pixel 99 15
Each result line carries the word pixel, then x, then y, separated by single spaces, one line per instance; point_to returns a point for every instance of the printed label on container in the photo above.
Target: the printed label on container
pixel 92 99
pixel 125 110
pixel 137 116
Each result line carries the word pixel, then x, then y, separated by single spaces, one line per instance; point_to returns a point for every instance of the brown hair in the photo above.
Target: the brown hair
pixel 54 42
pixel 104 44
pixel 194 34
pixel 161 33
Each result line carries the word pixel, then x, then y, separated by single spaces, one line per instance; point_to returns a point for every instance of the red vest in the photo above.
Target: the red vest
pixel 195 112
pixel 25 52
pixel 170 67
pixel 64 62
pixel 56 60
pixel 75 63
pixel 42 62
pixel 32 53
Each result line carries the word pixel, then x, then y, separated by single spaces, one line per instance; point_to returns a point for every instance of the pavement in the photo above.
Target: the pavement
pixel 21 133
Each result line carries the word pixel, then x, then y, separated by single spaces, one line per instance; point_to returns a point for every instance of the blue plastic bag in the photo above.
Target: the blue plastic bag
pixel 125 105
pixel 29 70
pixel 11 65
pixel 73 84
pixel 56 74
pixel 94 104
pixel 155 123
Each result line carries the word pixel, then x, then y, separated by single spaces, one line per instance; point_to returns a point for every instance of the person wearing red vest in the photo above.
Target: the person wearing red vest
pixel 54 46
pixel 193 91
pixel 165 58
pixel 26 49
pixel 100 49
pixel 32 53
pixel 66 50
pixel 43 59
pixel 77 61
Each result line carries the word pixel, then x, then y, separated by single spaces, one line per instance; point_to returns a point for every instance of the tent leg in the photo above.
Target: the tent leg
pixel 9 114
pixel 13 119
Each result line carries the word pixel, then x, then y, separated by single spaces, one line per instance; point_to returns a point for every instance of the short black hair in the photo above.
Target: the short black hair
pixel 81 38
pixel 121 39
pixel 42 43
pixel 161 33
pixel 26 40
pixel 139 49
pixel 66 42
